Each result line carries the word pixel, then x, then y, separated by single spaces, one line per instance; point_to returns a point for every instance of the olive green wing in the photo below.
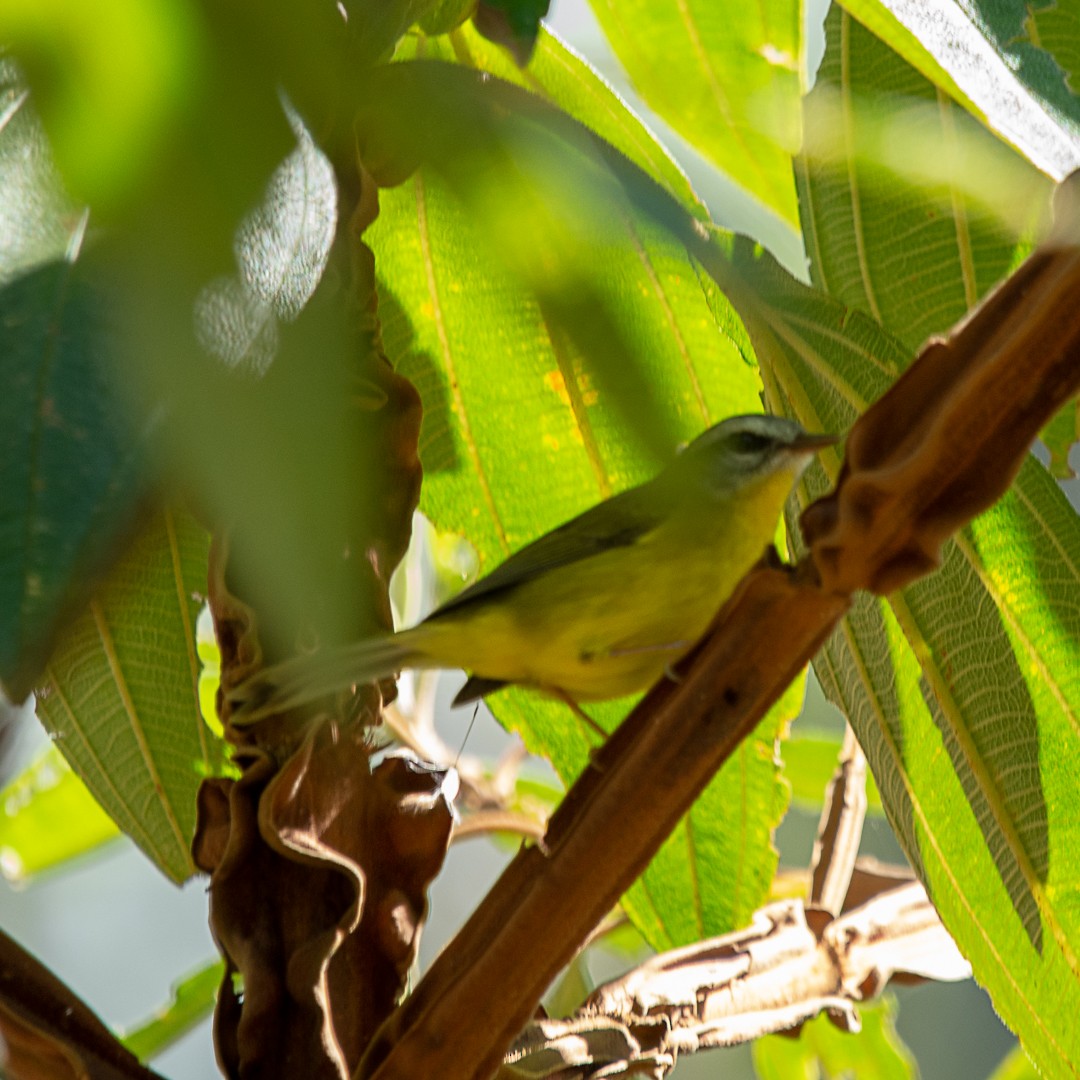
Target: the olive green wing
pixel 617 522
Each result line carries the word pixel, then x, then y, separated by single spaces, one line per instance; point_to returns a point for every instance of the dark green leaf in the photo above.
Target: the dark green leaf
pixel 71 468
pixel 513 23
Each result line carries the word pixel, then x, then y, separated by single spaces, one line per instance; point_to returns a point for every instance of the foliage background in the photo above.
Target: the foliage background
pixel 90 957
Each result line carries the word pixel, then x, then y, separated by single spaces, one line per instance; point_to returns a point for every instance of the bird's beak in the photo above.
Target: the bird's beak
pixel 810 444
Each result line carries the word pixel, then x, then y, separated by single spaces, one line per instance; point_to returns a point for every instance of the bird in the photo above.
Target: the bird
pixel 598 608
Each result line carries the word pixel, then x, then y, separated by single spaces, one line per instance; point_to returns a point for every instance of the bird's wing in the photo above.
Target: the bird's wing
pixel 618 522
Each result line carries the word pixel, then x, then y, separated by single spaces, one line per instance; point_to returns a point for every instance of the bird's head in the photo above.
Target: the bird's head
pixel 741 450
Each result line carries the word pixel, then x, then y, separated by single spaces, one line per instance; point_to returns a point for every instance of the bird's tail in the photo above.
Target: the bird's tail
pixel 304 679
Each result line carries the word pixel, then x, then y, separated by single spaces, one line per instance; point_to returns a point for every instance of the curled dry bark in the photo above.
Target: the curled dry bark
pixel 319 863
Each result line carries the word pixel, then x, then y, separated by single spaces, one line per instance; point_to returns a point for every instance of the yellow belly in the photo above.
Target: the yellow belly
pixel 609 625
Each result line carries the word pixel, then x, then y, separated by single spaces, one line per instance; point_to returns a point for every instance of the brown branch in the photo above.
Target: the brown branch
pixel 483 822
pixel 50 1034
pixel 939 447
pixel 840 828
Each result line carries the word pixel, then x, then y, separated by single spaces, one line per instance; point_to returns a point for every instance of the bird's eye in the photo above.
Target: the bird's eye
pixel 750 442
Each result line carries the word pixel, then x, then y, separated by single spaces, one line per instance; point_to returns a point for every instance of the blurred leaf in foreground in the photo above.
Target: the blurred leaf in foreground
pixel 71 466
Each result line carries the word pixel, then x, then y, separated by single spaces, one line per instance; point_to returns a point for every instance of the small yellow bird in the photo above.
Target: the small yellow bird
pixel 599 607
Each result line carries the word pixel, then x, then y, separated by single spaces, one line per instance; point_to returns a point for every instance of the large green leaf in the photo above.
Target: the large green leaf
pixel 915 211
pixel 727 77
pixel 120 694
pixel 962 688
pixel 519 436
pixel 562 77
pixel 990 56
pixel 71 466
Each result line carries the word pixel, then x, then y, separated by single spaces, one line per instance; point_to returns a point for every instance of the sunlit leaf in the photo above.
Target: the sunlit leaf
pixel 106 107
pixel 810 760
pixel 47 817
pixel 911 210
pixel 507 397
pixel 980 53
pixel 120 694
pixel 962 688
pixel 281 250
pixel 735 96
pixel 1016 1065
pixel 822 1050
pixel 1059 437
pixel 565 79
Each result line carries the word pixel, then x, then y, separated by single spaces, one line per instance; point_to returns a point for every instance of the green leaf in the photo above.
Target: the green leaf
pixel 1055 27
pixel 191 1000
pixel 120 694
pixel 932 683
pixel 47 818
pixel 106 108
pixel 983 54
pixel 281 248
pixel 714 871
pixel 1016 1065
pixel 71 468
pixel 822 1050
pixel 913 211
pixel 564 79
pixel 727 77
pixel 519 436
pixel 810 759
pixel 963 688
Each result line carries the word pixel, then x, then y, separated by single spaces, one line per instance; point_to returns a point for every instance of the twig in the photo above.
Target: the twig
pixel 787 967
pixel 840 829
